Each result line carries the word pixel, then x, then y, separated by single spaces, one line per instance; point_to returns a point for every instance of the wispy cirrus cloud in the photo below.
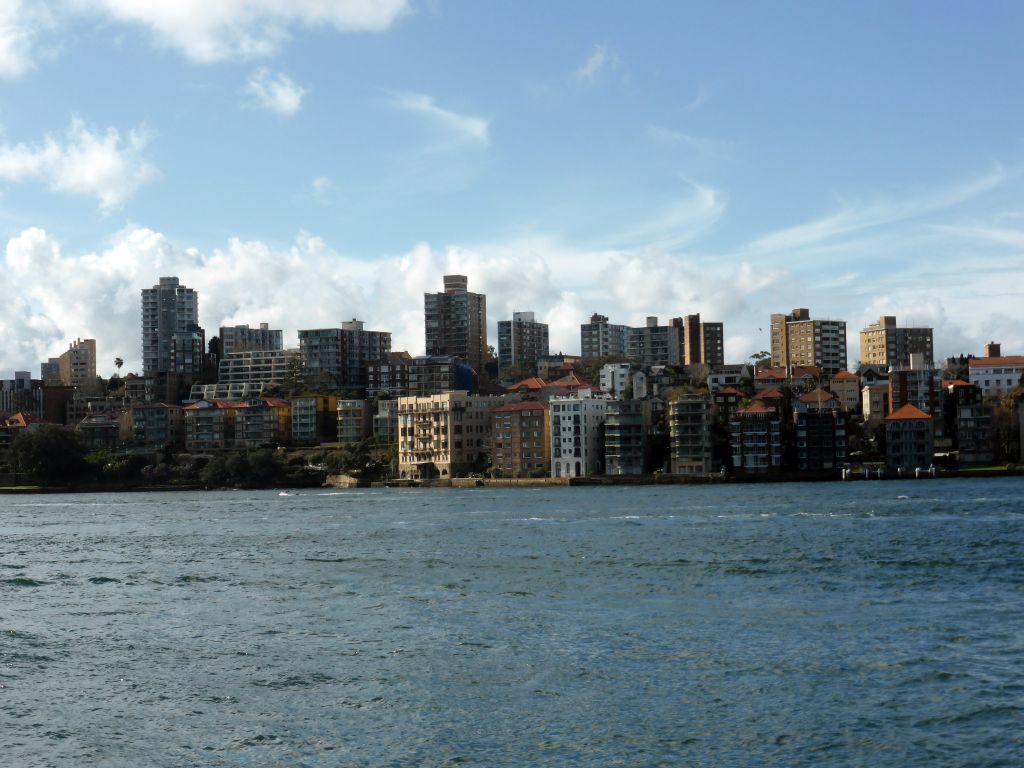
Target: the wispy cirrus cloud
pixel 677 223
pixel 599 59
pixel 461 128
pixel 84 162
pixel 274 92
pixel 701 144
pixel 854 218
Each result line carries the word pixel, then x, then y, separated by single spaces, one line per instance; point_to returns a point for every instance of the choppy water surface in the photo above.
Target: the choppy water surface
pixel 871 623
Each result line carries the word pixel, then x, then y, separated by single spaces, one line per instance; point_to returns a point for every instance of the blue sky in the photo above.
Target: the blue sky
pixel 307 162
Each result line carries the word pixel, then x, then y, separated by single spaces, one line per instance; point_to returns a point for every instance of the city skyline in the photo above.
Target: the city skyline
pixel 332 161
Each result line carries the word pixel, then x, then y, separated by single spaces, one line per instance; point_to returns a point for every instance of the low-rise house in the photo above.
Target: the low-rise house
pixel 816 400
pixel 728 376
pixel 521 439
pixel 909 440
pixel 846 387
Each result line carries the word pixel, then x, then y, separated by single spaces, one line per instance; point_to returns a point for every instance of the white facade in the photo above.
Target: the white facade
pixel 996 376
pixel 576 436
pixel 614 378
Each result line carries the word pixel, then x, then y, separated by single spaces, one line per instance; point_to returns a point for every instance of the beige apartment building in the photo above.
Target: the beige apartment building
pixel 796 340
pixel 886 344
pixel 77 366
pixel 443 436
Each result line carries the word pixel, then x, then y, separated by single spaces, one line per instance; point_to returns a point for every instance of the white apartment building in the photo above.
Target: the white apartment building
pixel 577 444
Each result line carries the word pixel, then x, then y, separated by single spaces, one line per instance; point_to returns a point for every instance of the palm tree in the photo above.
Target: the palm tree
pixel 118 362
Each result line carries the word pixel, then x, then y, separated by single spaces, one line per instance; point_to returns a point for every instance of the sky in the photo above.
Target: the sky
pixel 305 162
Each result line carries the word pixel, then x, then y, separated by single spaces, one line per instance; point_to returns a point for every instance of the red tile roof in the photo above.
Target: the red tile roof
pixel 846 376
pixel 533 383
pixel 756 407
pixel 907 413
pixel 986 362
pixel 818 395
pixel 769 394
pixel 728 391
pixel 572 380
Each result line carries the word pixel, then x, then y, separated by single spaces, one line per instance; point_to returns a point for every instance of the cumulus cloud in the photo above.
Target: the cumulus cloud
pixel 274 92
pixel 84 162
pixel 18 25
pixel 207 31
pixel 460 128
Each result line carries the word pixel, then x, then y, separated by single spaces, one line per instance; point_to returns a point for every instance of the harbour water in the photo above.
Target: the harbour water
pixel 840 624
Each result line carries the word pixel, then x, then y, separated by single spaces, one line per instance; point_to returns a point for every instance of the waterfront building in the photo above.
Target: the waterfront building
pixel 654 344
pixel 521 341
pixel 796 340
pixel 577 433
pixel 521 439
pixel 995 374
pixel 702 343
pixel 627 427
pixel 725 401
pixel 820 439
pixel 444 435
pixel 455 323
pixel 339 358
pixel 885 344
pixel 689 429
pixel 314 419
pixel 264 422
pixel 156 425
pixel 210 425
pixel 385 423
pixel 355 421
pixel 600 338
pixel 242 338
pixel 917 383
pixel 756 439
pixel 909 440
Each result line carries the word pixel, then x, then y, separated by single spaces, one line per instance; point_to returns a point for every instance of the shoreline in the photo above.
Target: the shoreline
pixel 543 482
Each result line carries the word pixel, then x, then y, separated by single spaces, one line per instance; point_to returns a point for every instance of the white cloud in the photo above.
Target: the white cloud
pixel 275 92
pixel 17 31
pixel 678 222
pixel 214 30
pixel 83 162
pixel 702 145
pixel 462 128
pixel 599 59
pixel 851 219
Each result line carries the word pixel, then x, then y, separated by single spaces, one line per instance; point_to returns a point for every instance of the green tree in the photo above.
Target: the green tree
pixel 49 454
